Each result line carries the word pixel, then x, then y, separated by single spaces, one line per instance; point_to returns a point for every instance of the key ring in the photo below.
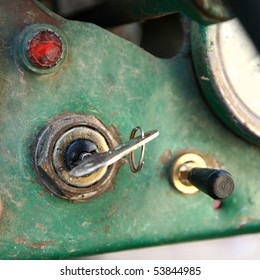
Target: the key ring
pixel 132 164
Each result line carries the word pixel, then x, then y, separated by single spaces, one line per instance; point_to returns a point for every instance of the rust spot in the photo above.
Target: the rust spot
pixel 106 228
pixel 10 196
pixel 166 157
pixel 245 220
pixel 94 233
pixel 115 132
pixel 20 240
pixel 162 174
pixel 32 182
pixel 41 245
pixel 41 227
pixel 111 213
pixel 35 245
pixel 41 195
pixel 36 15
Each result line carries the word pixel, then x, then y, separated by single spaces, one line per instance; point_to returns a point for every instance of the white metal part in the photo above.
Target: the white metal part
pixel 240 63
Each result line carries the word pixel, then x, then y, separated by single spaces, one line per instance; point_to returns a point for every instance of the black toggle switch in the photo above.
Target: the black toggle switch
pixel 218 184
pixel 191 173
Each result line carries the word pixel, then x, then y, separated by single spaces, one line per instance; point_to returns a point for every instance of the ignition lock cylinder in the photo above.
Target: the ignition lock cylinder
pixel 66 139
pixel 77 157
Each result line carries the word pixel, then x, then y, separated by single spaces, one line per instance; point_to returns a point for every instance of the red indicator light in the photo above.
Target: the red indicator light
pixel 45 49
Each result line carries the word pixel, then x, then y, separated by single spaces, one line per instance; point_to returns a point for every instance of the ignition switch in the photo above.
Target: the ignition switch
pixel 61 143
pixel 69 149
pixel 77 157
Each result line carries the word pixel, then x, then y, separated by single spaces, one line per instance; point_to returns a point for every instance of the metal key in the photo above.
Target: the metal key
pixel 92 162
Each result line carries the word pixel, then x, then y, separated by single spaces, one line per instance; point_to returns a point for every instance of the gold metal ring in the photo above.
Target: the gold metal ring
pixel 181 165
pixel 132 164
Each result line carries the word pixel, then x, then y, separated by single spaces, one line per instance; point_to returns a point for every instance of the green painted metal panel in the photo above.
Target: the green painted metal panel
pixel 122 85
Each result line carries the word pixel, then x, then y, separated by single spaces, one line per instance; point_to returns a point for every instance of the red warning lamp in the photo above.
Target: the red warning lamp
pixel 42 48
pixel 45 49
